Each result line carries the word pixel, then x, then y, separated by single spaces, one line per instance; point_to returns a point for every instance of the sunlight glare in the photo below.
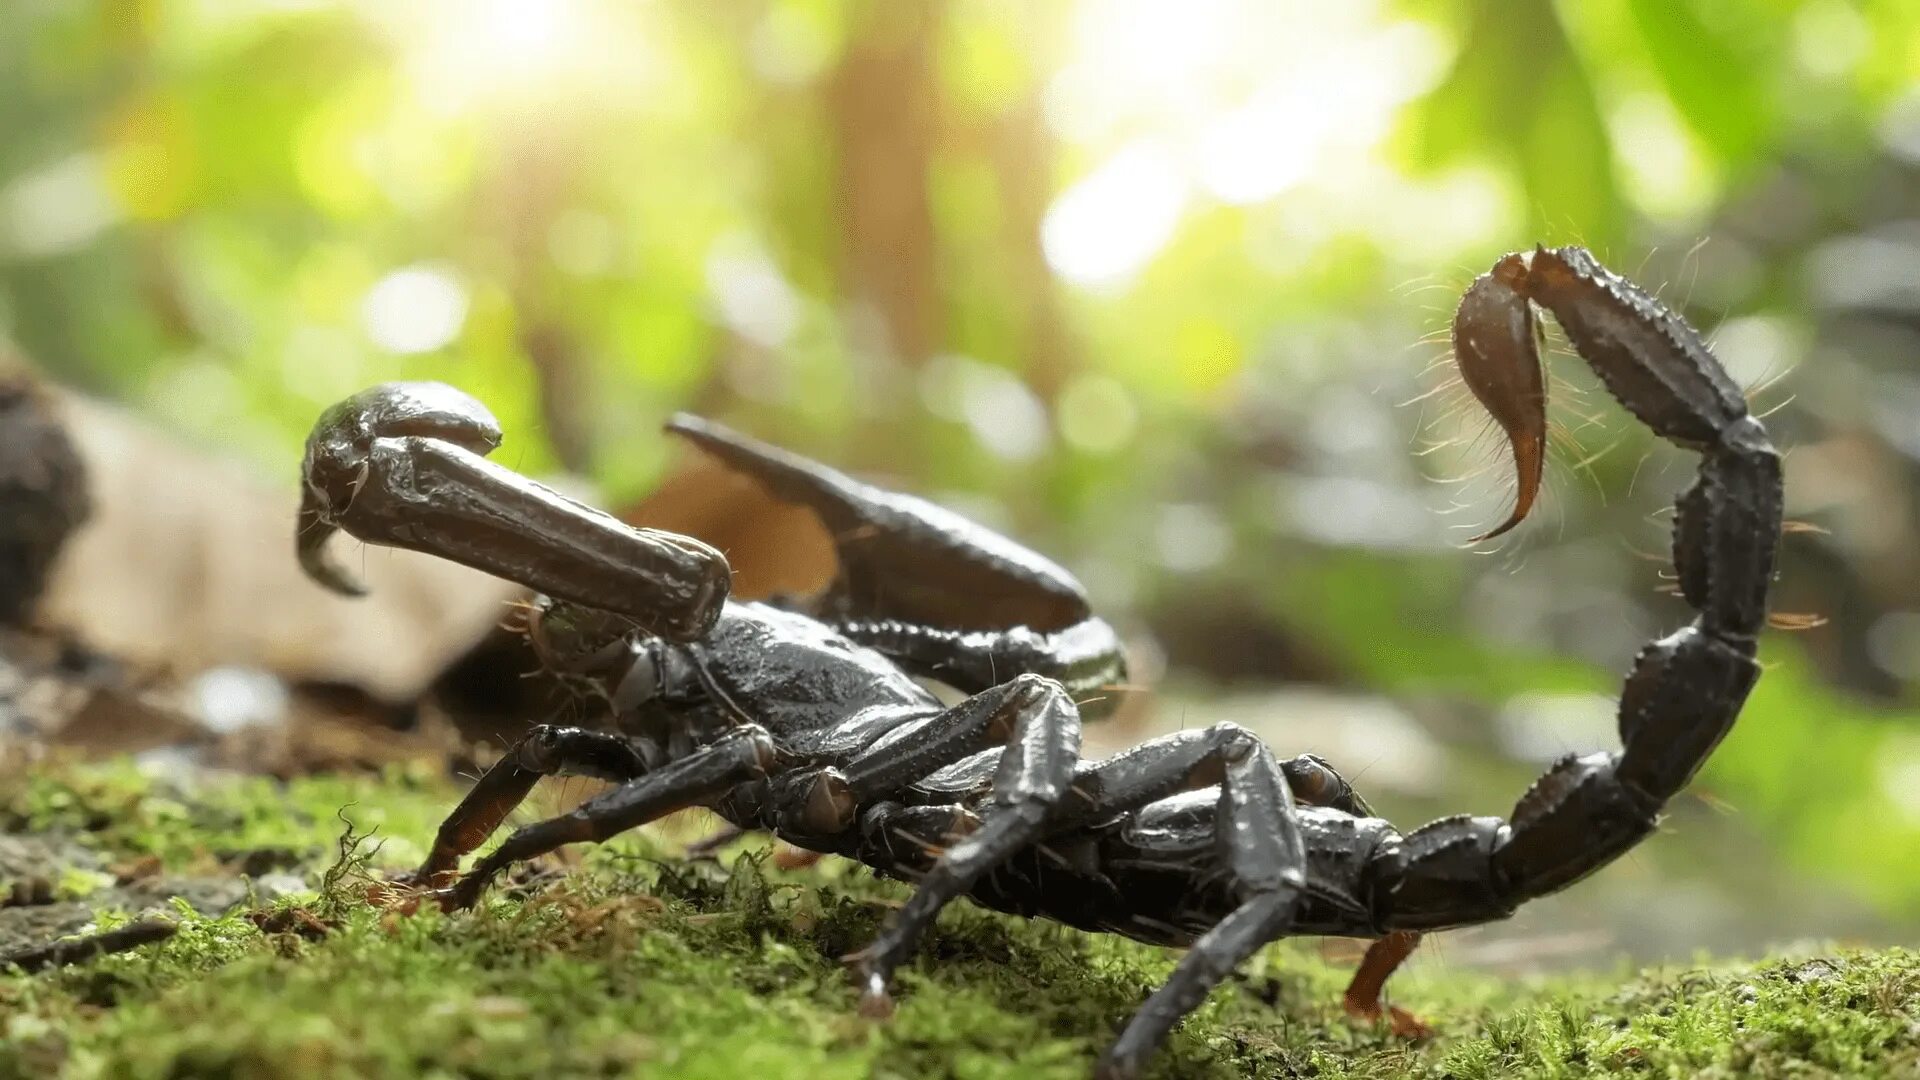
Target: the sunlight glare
pixel 464 54
pixel 1104 228
pixel 1233 99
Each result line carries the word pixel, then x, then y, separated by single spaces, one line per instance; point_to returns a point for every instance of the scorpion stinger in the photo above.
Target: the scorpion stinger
pixel 400 464
pixel 928 588
pixel 1496 347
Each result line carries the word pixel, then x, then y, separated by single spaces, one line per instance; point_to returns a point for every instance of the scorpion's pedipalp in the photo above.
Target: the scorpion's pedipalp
pixel 334 468
pixel 1496 347
pixel 400 465
pixel 930 590
pixel 1685 689
pixel 902 557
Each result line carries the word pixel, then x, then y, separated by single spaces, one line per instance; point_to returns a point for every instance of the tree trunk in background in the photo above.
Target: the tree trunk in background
pixel 527 192
pixel 884 99
pixel 1022 154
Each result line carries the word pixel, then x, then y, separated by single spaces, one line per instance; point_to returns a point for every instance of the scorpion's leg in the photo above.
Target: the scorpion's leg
pixel 1362 999
pixel 402 464
pixel 1264 849
pixel 909 836
pixel 940 595
pixel 745 754
pixel 1316 783
pixel 1685 689
pixel 544 751
pixel 1258 831
pixel 1188 761
pixel 1037 728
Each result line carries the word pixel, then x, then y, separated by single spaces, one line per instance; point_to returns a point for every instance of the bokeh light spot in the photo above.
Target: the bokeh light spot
pixel 1663 171
pixel 56 209
pixel 414 310
pixel 1191 537
pixel 750 294
pixel 1097 414
pixel 1003 414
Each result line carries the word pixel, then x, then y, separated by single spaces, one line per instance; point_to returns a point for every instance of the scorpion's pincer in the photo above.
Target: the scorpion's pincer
pixel 339 458
pixel 404 465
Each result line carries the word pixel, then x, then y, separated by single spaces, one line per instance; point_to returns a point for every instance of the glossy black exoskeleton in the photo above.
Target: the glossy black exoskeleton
pixel 807 723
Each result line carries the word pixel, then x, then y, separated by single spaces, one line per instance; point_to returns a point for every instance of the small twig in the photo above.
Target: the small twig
pixel 81 949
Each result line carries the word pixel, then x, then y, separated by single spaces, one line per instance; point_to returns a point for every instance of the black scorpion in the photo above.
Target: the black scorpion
pixel 808 723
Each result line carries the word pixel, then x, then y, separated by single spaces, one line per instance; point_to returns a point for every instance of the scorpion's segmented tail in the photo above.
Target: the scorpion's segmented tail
pixel 1686 688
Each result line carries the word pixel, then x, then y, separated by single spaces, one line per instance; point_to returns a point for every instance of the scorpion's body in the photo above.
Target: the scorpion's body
pixel 809 723
pixel 1151 874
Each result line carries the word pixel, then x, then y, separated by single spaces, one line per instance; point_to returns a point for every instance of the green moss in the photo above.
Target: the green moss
pixel 125 814
pixel 633 962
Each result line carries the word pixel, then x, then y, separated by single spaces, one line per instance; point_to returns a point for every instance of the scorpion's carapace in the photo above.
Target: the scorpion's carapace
pixel 1496 345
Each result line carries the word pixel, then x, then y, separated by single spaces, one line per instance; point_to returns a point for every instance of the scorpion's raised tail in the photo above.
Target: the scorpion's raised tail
pixel 1686 688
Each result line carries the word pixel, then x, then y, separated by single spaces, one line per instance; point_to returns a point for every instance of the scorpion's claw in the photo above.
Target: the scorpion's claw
pixel 902 557
pixel 339 453
pixel 930 590
pixel 315 531
pixel 402 464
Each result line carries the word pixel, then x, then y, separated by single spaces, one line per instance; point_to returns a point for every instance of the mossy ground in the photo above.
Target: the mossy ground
pixel 636 963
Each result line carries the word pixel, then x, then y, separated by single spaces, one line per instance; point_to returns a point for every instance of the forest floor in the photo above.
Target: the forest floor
pixel 631 961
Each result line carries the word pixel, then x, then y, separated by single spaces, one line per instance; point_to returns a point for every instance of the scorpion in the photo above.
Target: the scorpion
pixel 812 719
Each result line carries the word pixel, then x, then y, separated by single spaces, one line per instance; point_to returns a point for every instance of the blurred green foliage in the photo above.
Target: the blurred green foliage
pixel 1144 282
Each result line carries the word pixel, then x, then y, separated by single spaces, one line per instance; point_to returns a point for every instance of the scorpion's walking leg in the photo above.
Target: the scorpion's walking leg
pixel 1268 859
pixel 746 753
pixel 1362 1001
pixel 1181 761
pixel 544 751
pixel 1685 689
pixel 1039 728
pixel 1257 828
pixel 1190 760
pixel 403 464
pixel 936 593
